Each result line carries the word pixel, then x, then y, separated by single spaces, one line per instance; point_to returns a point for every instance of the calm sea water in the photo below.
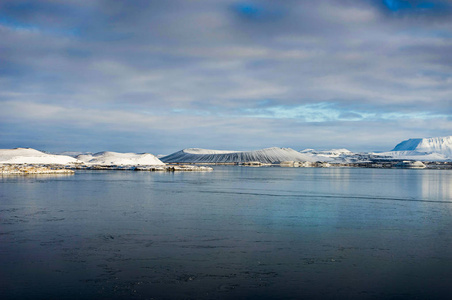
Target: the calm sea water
pixel 235 233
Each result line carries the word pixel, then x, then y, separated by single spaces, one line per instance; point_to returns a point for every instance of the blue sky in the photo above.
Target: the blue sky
pixel 159 76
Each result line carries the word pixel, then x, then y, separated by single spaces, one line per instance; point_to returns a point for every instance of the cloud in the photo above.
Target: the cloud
pixel 418 6
pixel 172 66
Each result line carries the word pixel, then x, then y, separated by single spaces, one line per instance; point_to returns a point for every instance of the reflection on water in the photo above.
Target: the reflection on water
pixel 237 232
pixel 436 185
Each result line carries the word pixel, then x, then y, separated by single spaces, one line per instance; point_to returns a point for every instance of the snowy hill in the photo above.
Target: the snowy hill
pixel 32 156
pixel 439 145
pixel 268 155
pixel 115 158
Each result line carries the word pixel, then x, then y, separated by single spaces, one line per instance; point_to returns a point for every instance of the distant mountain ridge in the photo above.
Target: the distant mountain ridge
pixel 422 149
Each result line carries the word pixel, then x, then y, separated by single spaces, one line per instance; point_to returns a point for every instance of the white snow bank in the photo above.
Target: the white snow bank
pixel 115 158
pixel 32 156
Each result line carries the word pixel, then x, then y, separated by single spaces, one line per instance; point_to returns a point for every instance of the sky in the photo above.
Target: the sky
pixel 160 76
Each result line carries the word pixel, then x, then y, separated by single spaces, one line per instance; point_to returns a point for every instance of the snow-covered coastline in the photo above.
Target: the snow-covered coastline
pixel 30 161
pixel 32 170
pixel 436 152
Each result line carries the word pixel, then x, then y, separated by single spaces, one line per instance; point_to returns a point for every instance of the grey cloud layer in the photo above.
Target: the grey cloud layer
pixel 221 67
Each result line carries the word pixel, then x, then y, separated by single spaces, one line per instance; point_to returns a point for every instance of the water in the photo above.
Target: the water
pixel 235 233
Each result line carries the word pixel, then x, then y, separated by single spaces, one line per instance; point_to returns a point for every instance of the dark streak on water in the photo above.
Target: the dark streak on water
pixel 235 233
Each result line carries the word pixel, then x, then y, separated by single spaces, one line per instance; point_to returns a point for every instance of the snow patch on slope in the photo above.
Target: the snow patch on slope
pixel 268 155
pixel 115 158
pixel 32 156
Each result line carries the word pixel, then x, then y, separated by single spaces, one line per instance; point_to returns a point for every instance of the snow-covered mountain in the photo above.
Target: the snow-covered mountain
pixel 115 158
pixel 32 156
pixel 439 145
pixel 268 155
pixel 423 149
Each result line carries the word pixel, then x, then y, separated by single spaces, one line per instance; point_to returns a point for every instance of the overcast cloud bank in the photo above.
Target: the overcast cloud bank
pixel 165 75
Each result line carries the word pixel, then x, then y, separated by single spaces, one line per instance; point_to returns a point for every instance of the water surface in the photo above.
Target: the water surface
pixel 237 232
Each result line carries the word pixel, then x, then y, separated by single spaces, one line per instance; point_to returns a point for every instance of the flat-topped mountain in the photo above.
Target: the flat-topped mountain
pixel 441 145
pixel 268 155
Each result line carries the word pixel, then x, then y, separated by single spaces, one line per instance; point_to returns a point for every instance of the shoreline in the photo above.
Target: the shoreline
pixel 29 169
pixel 26 169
